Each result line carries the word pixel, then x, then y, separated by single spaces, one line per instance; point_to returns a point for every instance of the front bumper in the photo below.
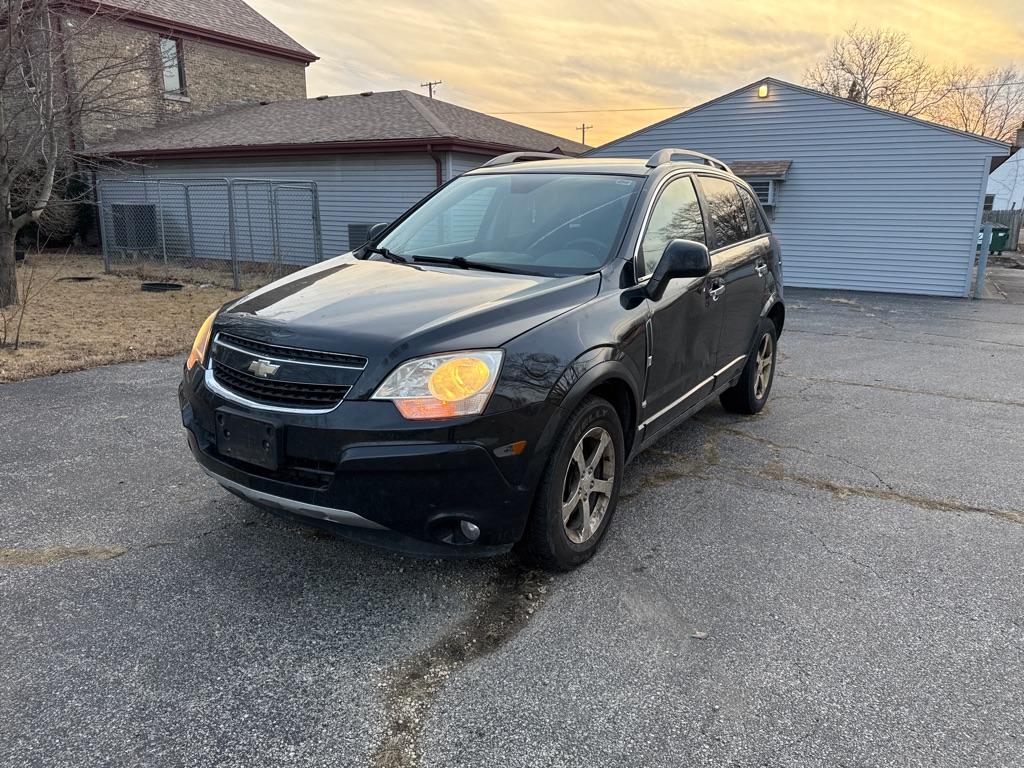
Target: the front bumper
pixel 381 478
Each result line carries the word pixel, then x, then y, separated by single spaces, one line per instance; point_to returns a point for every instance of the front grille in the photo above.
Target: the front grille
pixel 285 393
pixel 292 353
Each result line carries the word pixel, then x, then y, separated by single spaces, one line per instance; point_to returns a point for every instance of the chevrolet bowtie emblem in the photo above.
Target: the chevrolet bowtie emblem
pixel 263 368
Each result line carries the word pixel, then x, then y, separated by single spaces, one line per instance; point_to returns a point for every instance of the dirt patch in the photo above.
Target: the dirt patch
pixel 71 325
pixel 51 555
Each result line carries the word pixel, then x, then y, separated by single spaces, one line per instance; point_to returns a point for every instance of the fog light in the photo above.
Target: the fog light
pixel 470 530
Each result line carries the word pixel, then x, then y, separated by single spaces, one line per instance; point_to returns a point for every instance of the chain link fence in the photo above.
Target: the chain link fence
pixel 242 232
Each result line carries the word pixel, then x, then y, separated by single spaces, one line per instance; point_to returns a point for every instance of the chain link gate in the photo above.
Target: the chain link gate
pixel 252 230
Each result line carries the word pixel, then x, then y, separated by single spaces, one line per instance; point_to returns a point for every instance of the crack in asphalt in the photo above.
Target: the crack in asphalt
pixel 793 743
pixel 911 341
pixel 904 390
pixel 832 551
pixel 679 466
pixel 509 602
pixel 776 471
pixel 780 447
pixel 37 556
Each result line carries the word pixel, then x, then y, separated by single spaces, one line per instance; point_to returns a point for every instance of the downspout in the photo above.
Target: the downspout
pixel 439 174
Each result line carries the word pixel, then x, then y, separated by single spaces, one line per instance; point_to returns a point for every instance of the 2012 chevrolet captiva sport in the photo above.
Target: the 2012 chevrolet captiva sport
pixel 478 375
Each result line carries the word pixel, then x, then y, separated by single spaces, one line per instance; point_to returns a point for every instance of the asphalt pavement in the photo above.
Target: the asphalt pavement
pixel 835 582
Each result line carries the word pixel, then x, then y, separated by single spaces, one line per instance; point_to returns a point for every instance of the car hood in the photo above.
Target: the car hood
pixel 390 312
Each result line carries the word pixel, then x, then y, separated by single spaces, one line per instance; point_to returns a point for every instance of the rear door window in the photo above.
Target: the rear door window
pixel 676 215
pixel 728 216
pixel 757 226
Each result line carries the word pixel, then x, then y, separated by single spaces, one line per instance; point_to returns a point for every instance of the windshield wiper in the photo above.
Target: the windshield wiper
pixel 463 263
pixel 389 255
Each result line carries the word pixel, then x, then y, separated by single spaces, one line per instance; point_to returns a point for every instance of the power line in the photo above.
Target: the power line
pixel 678 108
pixel 583 127
pixel 986 85
pixel 430 87
pixel 581 111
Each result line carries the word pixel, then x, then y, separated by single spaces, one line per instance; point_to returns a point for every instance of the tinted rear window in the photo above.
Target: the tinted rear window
pixel 757 226
pixel 728 217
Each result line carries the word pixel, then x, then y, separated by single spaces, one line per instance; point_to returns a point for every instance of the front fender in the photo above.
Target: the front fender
pixel 587 372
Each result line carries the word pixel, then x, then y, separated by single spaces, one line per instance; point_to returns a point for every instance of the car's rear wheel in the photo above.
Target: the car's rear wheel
pixel 750 393
pixel 578 490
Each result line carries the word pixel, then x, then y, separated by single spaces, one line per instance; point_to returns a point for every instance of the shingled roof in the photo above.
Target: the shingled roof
pixel 358 122
pixel 227 21
pixel 764 169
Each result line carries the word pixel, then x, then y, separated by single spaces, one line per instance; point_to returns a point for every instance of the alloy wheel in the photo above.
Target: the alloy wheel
pixel 587 489
pixel 764 366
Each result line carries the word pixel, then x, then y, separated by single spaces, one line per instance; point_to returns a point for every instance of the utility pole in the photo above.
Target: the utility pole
pixel 584 128
pixel 430 87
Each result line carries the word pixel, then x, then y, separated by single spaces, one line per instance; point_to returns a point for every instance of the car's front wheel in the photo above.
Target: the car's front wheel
pixel 578 490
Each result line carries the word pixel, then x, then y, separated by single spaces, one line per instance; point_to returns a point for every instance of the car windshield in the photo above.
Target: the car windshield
pixel 540 223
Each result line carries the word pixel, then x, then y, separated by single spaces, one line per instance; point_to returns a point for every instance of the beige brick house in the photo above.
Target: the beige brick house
pixel 195 57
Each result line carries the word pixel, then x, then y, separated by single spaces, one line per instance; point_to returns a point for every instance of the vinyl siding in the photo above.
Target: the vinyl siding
pixel 1007 184
pixel 352 189
pixel 872 202
pixel 462 162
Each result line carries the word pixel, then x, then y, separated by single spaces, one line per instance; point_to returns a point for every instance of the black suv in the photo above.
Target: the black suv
pixel 480 372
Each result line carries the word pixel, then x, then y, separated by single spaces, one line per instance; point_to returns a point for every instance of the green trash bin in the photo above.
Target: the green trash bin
pixel 1000 237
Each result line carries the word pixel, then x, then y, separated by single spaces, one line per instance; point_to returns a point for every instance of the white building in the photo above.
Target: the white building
pixel 861 198
pixel 1006 183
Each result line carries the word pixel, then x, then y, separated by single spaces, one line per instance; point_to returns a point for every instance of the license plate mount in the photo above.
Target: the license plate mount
pixel 252 440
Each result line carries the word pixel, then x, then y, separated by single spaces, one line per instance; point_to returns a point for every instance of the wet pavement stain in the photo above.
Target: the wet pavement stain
pixel 510 600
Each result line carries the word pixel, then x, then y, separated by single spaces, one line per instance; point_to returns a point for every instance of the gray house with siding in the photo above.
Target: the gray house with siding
pixel 860 198
pixel 371 155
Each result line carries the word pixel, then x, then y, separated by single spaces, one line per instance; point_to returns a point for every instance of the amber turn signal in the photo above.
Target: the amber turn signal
pixel 201 344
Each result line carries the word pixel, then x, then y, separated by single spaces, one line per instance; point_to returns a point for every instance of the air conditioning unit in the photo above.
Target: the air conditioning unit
pixel 358 234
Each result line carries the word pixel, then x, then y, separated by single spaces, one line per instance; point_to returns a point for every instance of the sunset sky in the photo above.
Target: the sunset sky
pixel 501 57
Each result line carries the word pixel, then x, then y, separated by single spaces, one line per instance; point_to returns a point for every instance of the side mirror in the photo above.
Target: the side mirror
pixel 681 258
pixel 377 230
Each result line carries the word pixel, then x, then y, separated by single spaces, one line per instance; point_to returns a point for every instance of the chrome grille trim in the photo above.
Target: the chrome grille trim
pixel 293 391
pixel 215 386
pixel 273 392
pixel 290 354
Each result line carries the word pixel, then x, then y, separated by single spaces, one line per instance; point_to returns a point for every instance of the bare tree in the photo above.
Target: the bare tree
pixel 878 67
pixel 58 71
pixel 989 103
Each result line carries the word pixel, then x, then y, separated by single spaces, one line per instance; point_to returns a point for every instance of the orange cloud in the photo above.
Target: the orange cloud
pixel 537 56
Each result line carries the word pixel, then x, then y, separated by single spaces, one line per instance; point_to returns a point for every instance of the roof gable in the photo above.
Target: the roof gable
pixel 232 22
pixel 352 120
pixel 771 81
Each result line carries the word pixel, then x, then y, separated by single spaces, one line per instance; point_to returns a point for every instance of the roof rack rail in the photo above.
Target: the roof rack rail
pixel 670 155
pixel 521 157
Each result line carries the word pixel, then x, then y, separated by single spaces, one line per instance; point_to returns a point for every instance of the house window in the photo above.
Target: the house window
pixel 990 200
pixel 173 63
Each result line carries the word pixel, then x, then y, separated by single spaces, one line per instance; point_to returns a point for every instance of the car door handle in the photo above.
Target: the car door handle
pixel 761 269
pixel 716 292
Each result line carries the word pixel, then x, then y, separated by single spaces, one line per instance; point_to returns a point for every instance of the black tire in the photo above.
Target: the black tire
pixel 744 396
pixel 546 541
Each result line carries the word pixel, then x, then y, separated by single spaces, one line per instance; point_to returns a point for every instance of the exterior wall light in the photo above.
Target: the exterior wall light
pixel 762 91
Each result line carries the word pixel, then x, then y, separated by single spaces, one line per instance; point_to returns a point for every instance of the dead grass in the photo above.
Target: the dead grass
pixel 70 325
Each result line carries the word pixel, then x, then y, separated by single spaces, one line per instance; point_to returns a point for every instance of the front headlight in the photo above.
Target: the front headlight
pixel 201 344
pixel 442 386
